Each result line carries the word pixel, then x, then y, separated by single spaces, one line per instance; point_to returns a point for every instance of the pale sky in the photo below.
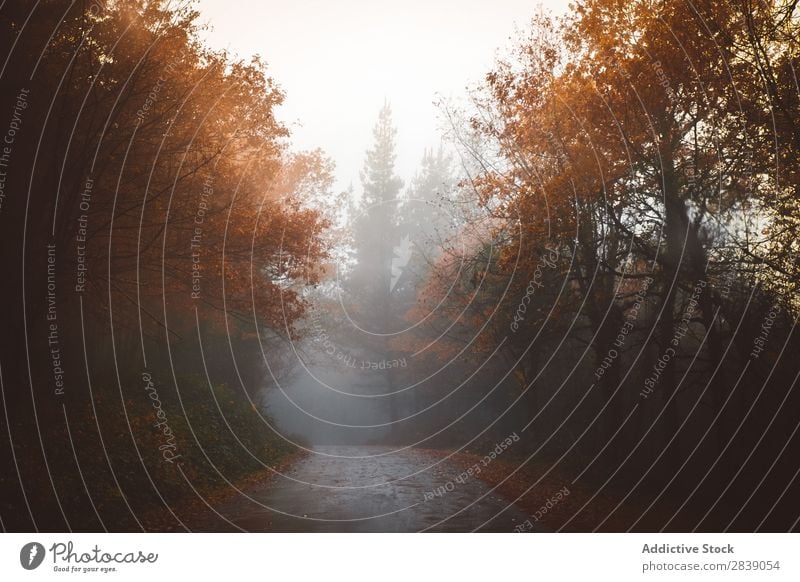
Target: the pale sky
pixel 337 60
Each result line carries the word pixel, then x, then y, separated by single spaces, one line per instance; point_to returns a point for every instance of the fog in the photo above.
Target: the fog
pixel 371 365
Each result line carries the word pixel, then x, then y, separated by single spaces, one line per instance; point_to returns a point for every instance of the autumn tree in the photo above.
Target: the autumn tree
pixel 619 135
pixel 159 222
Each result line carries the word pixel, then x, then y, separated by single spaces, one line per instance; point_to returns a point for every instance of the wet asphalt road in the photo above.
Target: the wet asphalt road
pixel 364 489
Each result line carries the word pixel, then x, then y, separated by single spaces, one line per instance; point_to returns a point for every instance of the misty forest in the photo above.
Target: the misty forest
pixel 577 314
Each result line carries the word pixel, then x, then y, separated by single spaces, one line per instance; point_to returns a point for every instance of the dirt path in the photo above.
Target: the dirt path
pixel 369 489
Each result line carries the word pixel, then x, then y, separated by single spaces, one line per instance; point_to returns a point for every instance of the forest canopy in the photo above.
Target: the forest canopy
pixel 600 258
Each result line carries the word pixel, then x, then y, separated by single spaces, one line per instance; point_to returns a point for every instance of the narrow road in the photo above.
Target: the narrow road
pixel 371 489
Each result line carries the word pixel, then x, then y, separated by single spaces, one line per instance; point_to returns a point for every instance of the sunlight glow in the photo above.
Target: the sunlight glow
pixel 338 61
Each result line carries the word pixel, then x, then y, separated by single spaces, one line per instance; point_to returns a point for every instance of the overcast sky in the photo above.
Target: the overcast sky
pixel 337 60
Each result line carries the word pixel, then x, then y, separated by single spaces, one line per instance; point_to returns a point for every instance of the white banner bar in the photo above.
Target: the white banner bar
pixel 371 557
